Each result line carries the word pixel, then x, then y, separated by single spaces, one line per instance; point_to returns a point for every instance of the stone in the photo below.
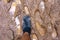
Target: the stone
pixel 40 29
pixel 54 34
pixel 6 1
pixel 26 10
pixel 34 37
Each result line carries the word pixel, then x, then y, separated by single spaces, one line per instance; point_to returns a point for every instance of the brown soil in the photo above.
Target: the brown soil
pixel 45 24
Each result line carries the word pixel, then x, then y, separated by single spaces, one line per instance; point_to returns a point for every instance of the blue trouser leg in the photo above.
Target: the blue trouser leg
pixel 26 24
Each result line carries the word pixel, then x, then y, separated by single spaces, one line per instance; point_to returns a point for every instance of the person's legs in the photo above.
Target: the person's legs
pixel 26 28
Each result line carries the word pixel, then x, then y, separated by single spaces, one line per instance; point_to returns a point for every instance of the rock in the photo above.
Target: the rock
pixel 54 34
pixel 42 6
pixel 34 37
pixel 26 10
pixel 40 29
pixel 13 8
pixel 6 1
pixel 19 30
pixel 18 1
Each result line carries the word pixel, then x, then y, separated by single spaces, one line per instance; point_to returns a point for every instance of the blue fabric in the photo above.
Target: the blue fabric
pixel 26 24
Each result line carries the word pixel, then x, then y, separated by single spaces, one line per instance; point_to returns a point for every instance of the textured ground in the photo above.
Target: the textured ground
pixel 45 24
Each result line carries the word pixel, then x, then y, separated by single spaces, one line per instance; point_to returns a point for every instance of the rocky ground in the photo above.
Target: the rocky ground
pixel 45 19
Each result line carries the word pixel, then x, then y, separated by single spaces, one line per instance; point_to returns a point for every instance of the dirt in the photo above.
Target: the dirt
pixel 47 17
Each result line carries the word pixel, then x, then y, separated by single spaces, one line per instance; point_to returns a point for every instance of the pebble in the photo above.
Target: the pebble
pixel 19 30
pixel 54 34
pixel 41 30
pixel 18 26
pixel 12 9
pixel 18 1
pixel 17 21
pixel 6 1
pixel 26 10
pixel 34 37
pixel 42 5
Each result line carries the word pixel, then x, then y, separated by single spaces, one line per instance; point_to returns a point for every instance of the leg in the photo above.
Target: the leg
pixel 26 28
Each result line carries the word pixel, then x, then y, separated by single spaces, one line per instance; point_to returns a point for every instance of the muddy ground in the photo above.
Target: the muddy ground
pixel 45 22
